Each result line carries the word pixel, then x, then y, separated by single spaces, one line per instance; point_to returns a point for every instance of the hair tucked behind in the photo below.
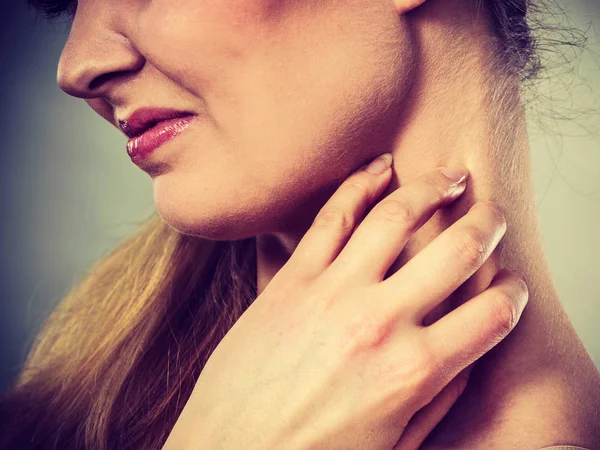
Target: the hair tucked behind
pixel 510 21
pixel 531 37
pixel 118 358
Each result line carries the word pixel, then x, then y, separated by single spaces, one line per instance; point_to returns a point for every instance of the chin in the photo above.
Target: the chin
pixel 237 206
pixel 210 214
pixel 208 227
pixel 215 226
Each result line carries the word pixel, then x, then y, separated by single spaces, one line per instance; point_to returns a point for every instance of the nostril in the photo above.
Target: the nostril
pixel 105 77
pixel 100 80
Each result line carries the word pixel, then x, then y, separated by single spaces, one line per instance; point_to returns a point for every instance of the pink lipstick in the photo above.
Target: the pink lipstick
pixel 144 144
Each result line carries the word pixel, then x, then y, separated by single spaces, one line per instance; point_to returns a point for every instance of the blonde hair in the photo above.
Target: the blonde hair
pixel 118 358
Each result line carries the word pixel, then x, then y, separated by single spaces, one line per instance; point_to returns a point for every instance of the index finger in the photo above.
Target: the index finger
pixel 336 221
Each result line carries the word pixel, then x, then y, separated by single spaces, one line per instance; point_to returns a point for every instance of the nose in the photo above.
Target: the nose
pixel 93 56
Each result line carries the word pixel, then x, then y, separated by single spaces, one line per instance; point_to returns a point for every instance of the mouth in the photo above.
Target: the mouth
pixel 145 118
pixel 149 128
pixel 141 146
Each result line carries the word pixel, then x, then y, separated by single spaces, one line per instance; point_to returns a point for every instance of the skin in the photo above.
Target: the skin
pixel 294 96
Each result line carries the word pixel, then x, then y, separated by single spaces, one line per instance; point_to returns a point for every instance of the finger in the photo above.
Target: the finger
pixel 391 223
pixel 428 417
pixel 465 334
pixel 445 263
pixel 336 221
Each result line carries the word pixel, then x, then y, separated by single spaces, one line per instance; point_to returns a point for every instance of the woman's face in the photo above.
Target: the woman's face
pixel 290 96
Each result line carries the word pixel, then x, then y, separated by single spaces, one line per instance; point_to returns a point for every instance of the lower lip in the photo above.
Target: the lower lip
pixel 141 146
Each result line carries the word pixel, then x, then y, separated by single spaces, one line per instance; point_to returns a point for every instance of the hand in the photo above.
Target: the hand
pixel 332 355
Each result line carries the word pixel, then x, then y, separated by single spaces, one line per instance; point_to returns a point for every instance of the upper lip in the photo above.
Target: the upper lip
pixel 144 118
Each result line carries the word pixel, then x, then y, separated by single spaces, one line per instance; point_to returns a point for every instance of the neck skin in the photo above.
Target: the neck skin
pixel 522 392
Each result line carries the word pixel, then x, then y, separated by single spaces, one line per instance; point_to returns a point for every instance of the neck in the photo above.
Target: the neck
pixel 454 114
pixel 463 113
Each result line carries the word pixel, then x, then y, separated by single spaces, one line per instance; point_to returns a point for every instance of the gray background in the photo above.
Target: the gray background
pixel 70 192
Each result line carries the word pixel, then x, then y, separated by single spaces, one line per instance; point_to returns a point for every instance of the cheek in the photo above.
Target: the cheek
pixel 296 105
pixel 197 43
pixel 322 98
pixel 273 70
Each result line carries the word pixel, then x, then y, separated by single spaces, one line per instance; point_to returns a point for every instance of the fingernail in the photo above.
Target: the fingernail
pixel 380 164
pixel 456 174
pixel 522 279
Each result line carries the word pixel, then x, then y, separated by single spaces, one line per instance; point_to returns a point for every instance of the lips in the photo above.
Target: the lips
pixel 146 118
pixel 141 146
pixel 149 128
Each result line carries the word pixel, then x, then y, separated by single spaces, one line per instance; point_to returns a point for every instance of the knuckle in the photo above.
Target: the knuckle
pixel 398 210
pixel 424 364
pixel 414 369
pixel 422 374
pixel 427 364
pixel 504 313
pixel 472 246
pixel 334 218
pixel 366 332
pixel 361 188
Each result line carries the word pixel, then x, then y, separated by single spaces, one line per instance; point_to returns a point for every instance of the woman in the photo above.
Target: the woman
pixel 320 88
